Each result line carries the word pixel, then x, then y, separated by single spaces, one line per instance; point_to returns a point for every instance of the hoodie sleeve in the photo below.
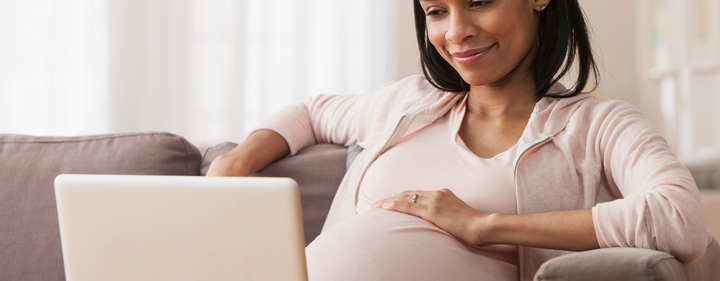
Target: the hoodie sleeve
pixel 661 207
pixel 344 119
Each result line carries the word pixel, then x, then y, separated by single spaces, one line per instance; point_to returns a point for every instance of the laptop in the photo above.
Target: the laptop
pixel 115 227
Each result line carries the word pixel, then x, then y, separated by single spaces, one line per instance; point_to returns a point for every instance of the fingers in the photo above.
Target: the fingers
pixel 421 197
pixel 404 199
pixel 406 196
pixel 406 206
pixel 228 166
pixel 414 202
pixel 440 207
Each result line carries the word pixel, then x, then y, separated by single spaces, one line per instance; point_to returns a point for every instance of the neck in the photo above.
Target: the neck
pixel 511 98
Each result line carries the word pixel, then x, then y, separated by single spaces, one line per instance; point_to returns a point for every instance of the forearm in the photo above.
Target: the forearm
pixel 563 230
pixel 259 150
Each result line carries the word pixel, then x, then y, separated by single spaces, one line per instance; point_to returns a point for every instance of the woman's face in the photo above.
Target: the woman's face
pixel 488 41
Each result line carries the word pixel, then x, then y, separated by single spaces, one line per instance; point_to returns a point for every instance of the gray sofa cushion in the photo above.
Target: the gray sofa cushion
pixel 318 170
pixel 29 236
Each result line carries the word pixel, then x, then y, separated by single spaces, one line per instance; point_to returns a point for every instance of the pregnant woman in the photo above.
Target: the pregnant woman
pixel 485 166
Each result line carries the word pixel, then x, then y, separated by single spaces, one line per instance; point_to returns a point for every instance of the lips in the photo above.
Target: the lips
pixel 471 56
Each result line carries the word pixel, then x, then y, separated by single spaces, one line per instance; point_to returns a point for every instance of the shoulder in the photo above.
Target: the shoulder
pixel 412 92
pixel 605 106
pixel 414 83
pixel 587 103
pixel 588 118
pixel 586 109
pixel 411 87
pixel 609 114
pixel 595 121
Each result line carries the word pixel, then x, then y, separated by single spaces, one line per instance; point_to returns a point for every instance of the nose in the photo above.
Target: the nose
pixel 461 27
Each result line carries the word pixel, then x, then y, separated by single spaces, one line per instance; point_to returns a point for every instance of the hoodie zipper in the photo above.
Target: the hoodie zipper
pixel 517 202
pixel 405 121
pixel 517 164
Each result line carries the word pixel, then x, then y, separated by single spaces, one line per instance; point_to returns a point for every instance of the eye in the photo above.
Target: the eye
pixel 474 4
pixel 432 12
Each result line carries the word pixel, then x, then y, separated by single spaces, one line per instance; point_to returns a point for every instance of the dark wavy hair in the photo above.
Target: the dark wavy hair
pixel 563 37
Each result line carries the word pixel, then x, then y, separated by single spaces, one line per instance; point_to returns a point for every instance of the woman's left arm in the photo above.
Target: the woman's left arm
pixel 660 208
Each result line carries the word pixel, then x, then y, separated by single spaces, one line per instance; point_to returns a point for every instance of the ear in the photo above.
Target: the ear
pixel 541 5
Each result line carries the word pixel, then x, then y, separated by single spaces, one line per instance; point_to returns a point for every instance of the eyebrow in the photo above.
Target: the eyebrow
pixel 423 1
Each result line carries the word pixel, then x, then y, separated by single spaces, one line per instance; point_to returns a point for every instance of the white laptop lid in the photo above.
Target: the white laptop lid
pixel 180 228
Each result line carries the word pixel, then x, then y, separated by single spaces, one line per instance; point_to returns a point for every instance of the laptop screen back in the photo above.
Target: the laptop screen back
pixel 180 228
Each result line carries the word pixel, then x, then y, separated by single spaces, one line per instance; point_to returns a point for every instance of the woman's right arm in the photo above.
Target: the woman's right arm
pixel 342 120
pixel 261 148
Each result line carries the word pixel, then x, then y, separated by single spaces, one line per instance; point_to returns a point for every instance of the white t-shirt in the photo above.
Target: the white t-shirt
pixel 384 245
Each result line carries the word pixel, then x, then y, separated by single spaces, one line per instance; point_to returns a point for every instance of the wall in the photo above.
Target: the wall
pixel 408 54
pixel 614 37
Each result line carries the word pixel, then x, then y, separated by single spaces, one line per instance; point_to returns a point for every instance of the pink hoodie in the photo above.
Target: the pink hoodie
pixel 575 153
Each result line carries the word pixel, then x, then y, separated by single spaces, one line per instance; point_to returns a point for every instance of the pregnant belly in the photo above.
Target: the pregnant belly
pixel 384 245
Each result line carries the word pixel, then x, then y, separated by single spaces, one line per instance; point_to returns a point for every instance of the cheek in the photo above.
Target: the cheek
pixel 514 32
pixel 436 34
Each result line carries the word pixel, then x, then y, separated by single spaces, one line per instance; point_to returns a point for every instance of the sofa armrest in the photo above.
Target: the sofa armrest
pixel 614 264
pixel 631 264
pixel 706 268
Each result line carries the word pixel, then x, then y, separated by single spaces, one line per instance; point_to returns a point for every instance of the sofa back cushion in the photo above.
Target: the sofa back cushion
pixel 317 169
pixel 29 235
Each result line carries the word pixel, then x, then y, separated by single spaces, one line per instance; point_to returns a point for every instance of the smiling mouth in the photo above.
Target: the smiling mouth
pixel 471 56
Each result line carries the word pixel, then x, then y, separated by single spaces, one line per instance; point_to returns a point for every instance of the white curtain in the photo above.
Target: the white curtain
pixel 53 67
pixel 208 70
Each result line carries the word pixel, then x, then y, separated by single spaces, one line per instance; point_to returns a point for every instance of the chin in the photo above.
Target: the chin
pixel 480 79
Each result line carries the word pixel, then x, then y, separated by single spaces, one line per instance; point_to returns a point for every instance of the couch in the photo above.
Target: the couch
pixel 30 240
